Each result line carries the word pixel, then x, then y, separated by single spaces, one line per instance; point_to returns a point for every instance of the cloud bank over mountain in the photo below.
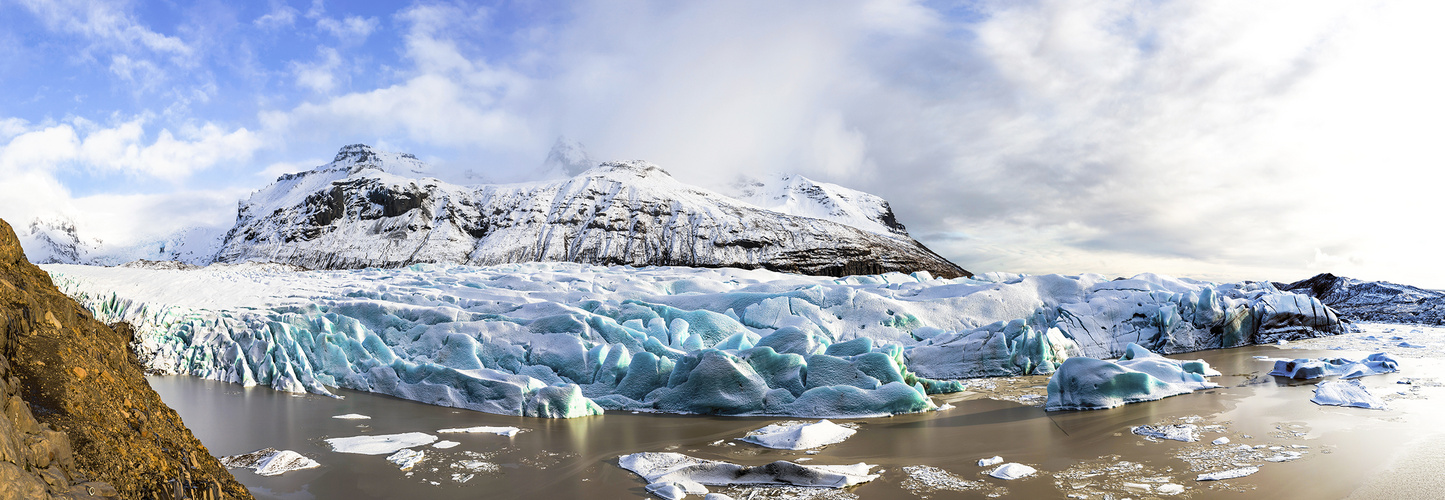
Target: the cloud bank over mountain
pixel 1218 140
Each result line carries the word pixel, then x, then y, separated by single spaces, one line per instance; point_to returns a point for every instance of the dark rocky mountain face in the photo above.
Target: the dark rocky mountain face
pixel 1380 301
pixel 361 212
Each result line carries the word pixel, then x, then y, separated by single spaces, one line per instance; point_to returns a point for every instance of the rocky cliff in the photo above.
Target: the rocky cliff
pixel 80 419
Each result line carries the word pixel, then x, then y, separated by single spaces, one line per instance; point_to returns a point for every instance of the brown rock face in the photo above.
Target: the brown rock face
pixel 80 419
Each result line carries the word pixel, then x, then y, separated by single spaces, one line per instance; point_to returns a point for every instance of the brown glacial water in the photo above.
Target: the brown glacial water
pixel 1087 454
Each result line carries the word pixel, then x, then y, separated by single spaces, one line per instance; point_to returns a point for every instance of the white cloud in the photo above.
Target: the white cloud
pixel 351 30
pixel 104 22
pixel 281 16
pixel 123 148
pixel 319 76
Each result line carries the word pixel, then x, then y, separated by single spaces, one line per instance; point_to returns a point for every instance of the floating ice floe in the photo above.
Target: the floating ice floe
pixel 269 461
pixel 1139 375
pixel 1178 432
pixel 352 416
pixel 380 444
pixel 406 459
pixel 442 445
pixel 674 473
pixel 1012 470
pixel 1228 474
pixel 799 435
pixel 1221 440
pixel 555 339
pixel 994 460
pixel 1346 393
pixel 501 431
pixel 1305 369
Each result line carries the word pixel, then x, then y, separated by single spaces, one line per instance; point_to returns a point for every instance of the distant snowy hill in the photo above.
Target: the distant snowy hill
pixel 373 209
pixel 1373 300
pixel 57 240
pixel 797 195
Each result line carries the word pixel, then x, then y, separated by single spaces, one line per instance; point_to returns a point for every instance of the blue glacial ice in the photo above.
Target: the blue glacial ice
pixel 1139 375
pixel 568 340
pixel 1305 369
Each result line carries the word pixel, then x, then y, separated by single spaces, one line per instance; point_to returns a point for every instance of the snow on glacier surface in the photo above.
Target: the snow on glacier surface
pixel 565 339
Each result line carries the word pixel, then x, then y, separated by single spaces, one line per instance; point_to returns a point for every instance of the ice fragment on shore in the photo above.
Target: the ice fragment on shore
pixel 270 461
pixel 1012 470
pixel 799 436
pixel 985 462
pixel 1305 369
pixel 406 459
pixel 380 444
pixel 1228 474
pixel 1346 393
pixel 1082 383
pixel 1179 432
pixel 501 431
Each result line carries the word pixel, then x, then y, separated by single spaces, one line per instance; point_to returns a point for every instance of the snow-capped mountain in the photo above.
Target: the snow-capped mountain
pixel 567 158
pixel 54 241
pixel 57 240
pixel 1374 300
pixel 797 195
pixel 371 209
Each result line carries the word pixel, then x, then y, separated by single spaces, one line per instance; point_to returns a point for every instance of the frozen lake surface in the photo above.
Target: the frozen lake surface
pixel 1300 449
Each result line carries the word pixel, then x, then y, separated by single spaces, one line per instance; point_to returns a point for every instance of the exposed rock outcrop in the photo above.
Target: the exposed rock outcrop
pixel 80 419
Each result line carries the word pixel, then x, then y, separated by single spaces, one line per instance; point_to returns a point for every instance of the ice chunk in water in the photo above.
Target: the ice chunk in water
pixel 1346 393
pixel 1228 474
pixel 985 462
pixel 382 444
pixel 406 459
pixel 1178 432
pixel 502 431
pixel 1012 470
pixel 1090 384
pixel 1305 369
pixel 799 436
pixel 270 461
pixel 683 469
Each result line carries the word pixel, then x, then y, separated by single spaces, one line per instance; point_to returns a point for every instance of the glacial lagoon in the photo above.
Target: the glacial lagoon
pixel 1301 449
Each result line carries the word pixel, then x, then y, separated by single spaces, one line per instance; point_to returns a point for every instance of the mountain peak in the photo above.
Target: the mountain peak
pixel 568 158
pixel 357 157
pixel 634 168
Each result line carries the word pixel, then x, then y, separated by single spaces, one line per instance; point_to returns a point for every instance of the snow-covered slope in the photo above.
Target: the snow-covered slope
pixel 565 339
pixel 797 195
pixel 1374 300
pixel 369 209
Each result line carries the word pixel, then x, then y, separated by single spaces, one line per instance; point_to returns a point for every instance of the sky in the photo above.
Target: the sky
pixel 1222 140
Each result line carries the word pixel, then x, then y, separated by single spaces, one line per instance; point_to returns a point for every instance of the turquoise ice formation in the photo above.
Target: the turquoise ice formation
pixel 1139 375
pixel 569 340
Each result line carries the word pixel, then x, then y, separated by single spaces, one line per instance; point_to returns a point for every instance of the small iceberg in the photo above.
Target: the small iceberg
pixel 1346 393
pixel 670 474
pixel 501 431
pixel 269 461
pixel 383 444
pixel 1228 474
pixel 799 436
pixel 994 460
pixel 406 459
pixel 1187 433
pixel 442 445
pixel 1305 369
pixel 1011 471
pixel 1139 375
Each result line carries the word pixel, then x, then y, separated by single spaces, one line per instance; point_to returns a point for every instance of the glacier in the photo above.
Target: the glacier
pixel 557 339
